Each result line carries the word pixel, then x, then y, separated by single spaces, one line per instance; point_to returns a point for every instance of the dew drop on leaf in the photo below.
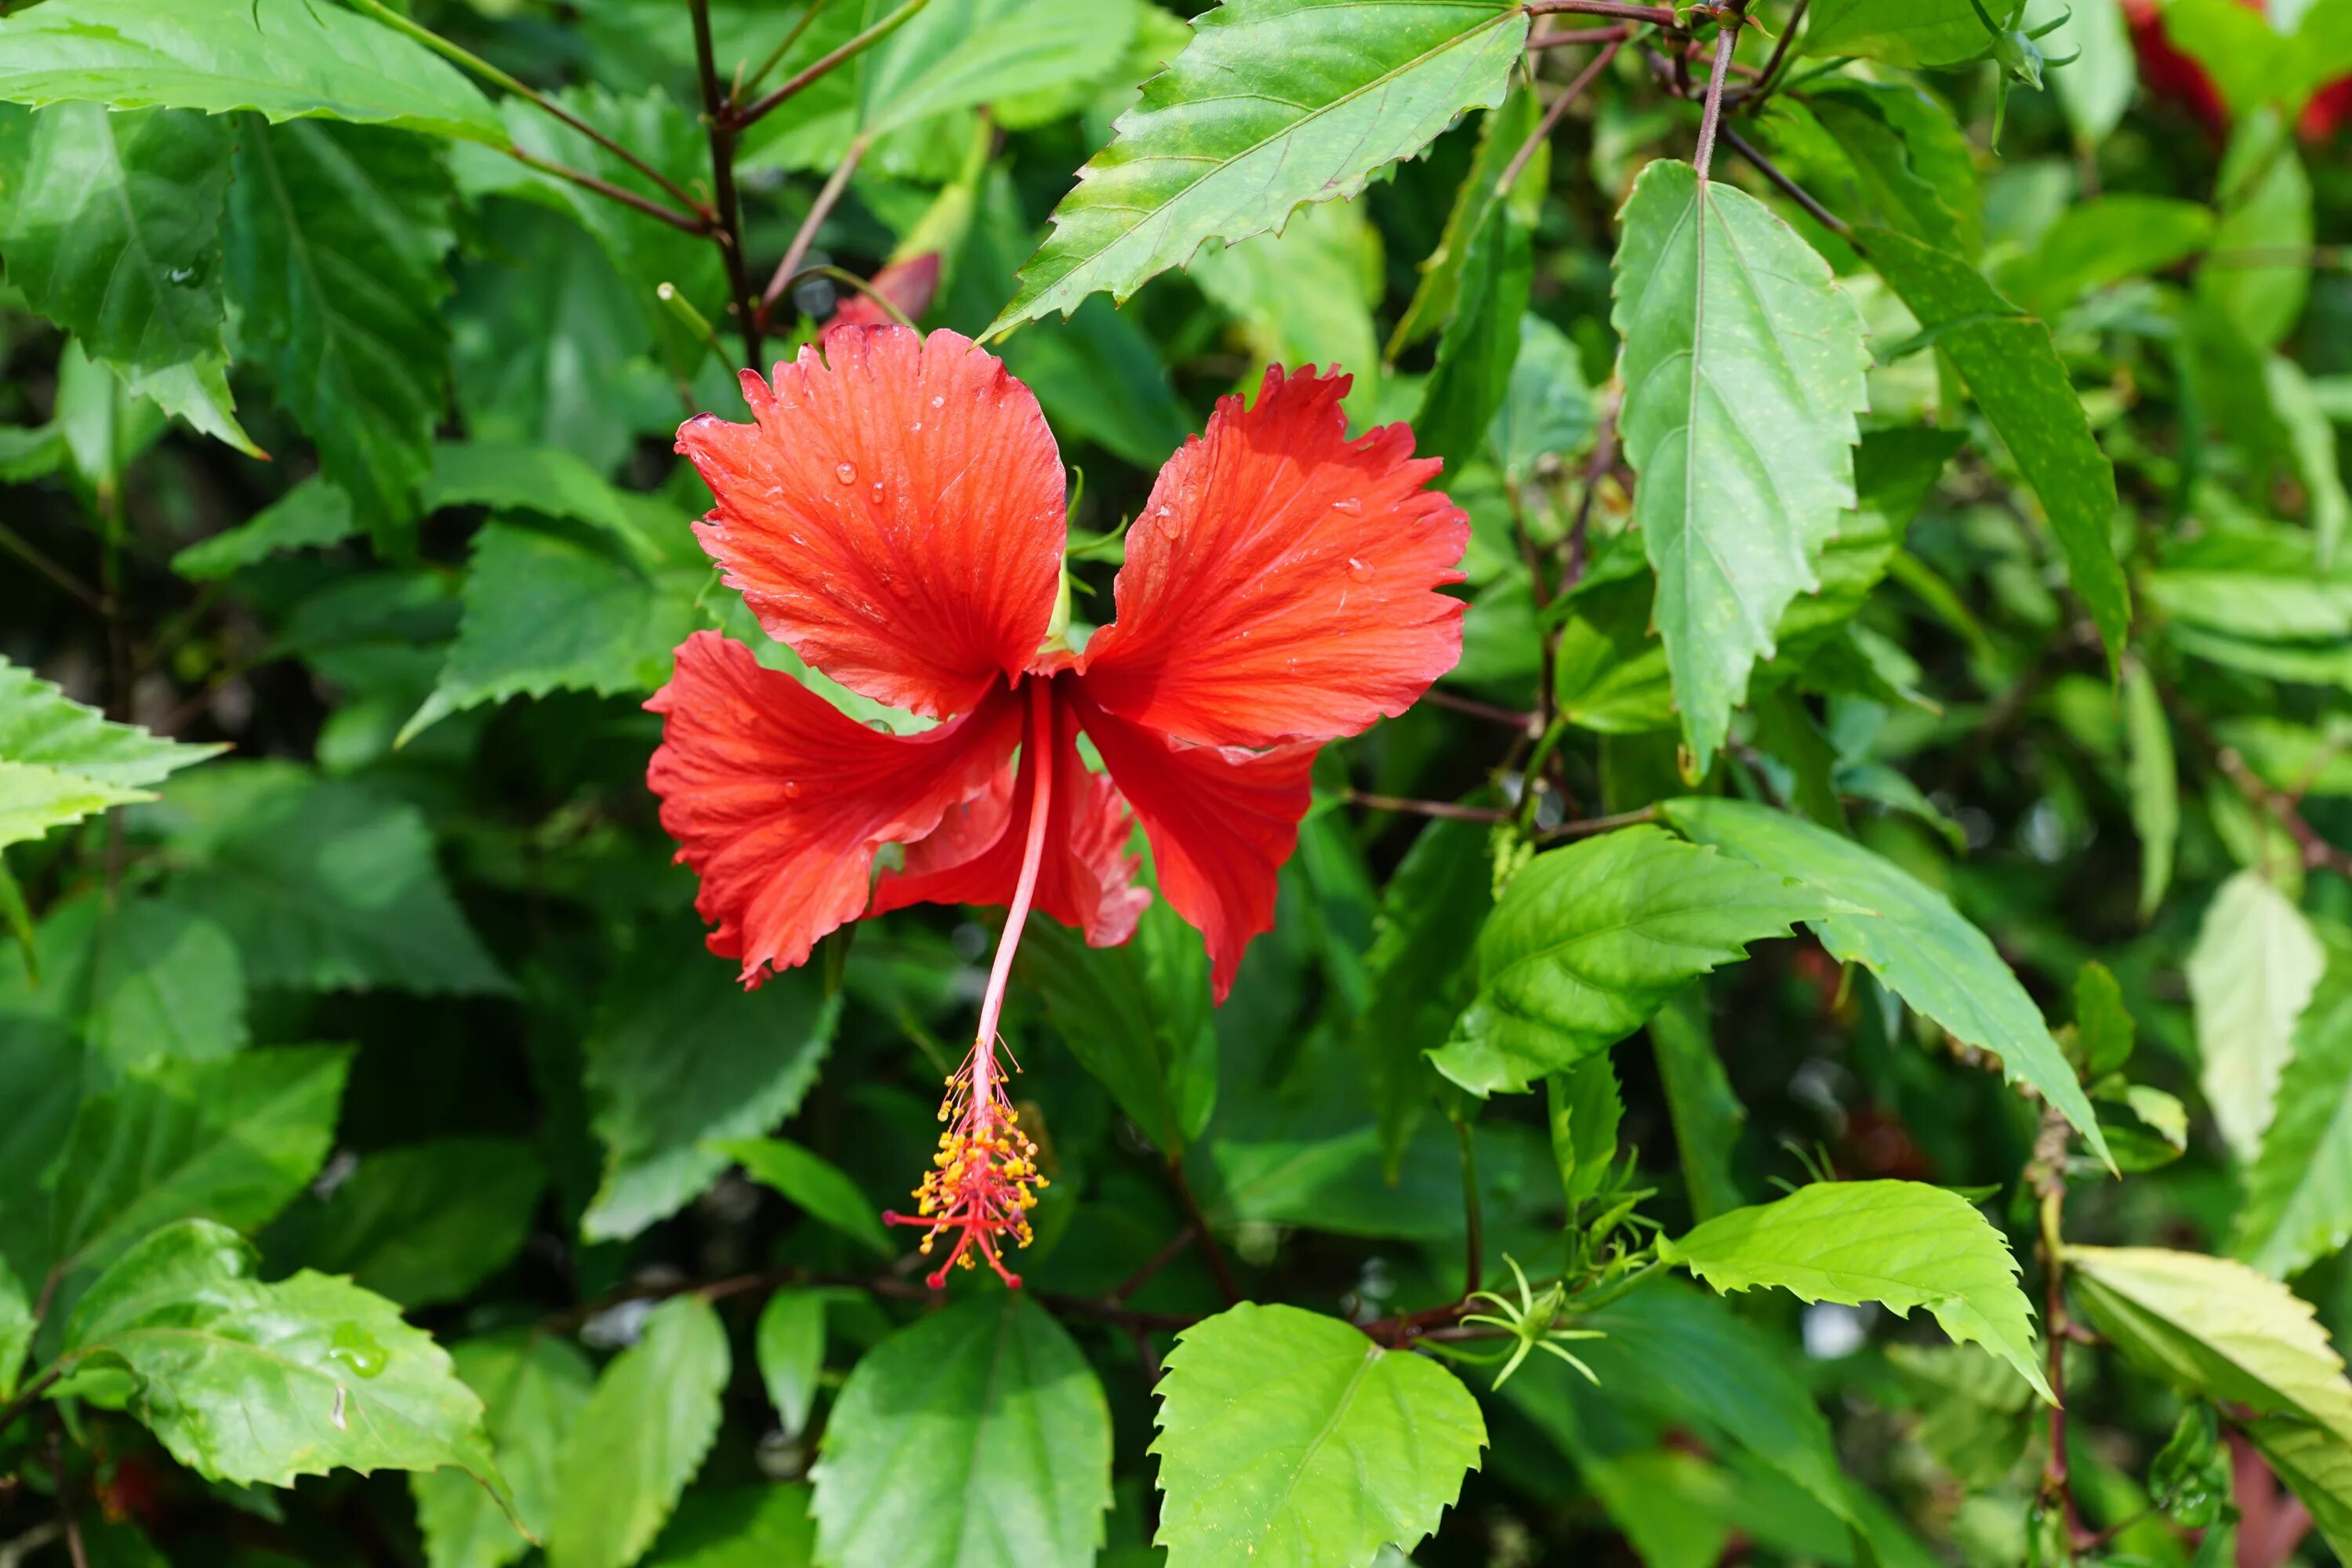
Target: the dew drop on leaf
pixel 357 1349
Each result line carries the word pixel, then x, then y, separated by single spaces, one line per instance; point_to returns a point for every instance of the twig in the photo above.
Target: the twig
pixel 1727 39
pixel 776 56
pixel 817 69
pixel 1474 1218
pixel 1660 16
pixel 842 275
pixel 1596 469
pixel 1543 129
pixel 2318 853
pixel 1447 809
pixel 28 1396
pixel 1169 1252
pixel 1617 34
pixel 41 562
pixel 1512 717
pixel 74 1548
pixel 819 210
pixel 1779 53
pixel 2048 1175
pixel 719 115
pixel 1788 188
pixel 490 73
pixel 1217 1264
pixel 621 194
pixel 1592 824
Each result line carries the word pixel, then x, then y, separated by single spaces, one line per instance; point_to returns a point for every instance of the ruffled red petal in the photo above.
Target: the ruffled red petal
pixel 1086 880
pixel 1221 820
pixel 1281 583
pixel 896 514
pixel 779 800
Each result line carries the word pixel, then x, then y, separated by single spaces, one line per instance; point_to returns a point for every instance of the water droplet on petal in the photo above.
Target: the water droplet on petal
pixel 792 789
pixel 915 428
pixel 1361 571
pixel 845 472
pixel 938 401
pixel 1348 504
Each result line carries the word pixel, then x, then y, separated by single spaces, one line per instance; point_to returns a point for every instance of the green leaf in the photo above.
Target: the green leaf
pixel 1289 1440
pixel 2311 436
pixel 283 58
pixel 1901 1244
pixel 335 243
pixel 1743 366
pixel 1583 1110
pixel 532 1385
pixel 1421 970
pixel 1501 132
pixel 1910 937
pixel 1548 410
pixel 2013 371
pixel 958 54
pixel 1304 296
pixel 164 981
pixel 1865 123
pixel 514 477
pixel 254 1384
pixel 2250 976
pixel 39 724
pixel 1475 355
pixel 2316 1465
pixel 680 1056
pixel 232 1141
pixel 312 515
pixel 742 1527
pixel 2097 88
pixel 1011 1437
pixel 2105 1033
pixel 2267 209
pixel 324 884
pixel 2298 1204
pixel 34 800
pixel 1906 33
pixel 17 1326
pixel 1098 376
pixel 114 233
pixel 1590 940
pixel 1707 1116
pixel 1273 104
pixel 2105 241
pixel 1137 1017
pixel 790 1346
pixel 2155 782
pixel 640 1438
pixel 423 1223
pixel 813 1184
pixel 2215 1329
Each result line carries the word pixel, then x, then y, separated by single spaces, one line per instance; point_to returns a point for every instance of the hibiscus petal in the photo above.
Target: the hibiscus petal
pixel 896 514
pixel 1281 583
pixel 779 800
pixel 1086 880
pixel 1221 820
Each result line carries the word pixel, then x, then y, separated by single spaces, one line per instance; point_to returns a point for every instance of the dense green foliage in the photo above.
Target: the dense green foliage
pixel 1826 1038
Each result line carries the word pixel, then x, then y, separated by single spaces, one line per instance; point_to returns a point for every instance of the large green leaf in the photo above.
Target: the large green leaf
pixel 1588 941
pixel 1706 1115
pixel 1009 1442
pixel 1908 33
pixel 2097 88
pixel 313 513
pixel 2316 1465
pixel 2106 241
pixel 1910 937
pixel 680 1056
pixel 1274 103
pixel 2298 1204
pixel 114 233
pixel 790 1346
pixel 1136 1016
pixel 1420 971
pixel 232 1141
pixel 39 724
pixel 1743 364
pixel 1501 132
pixel 639 1438
pixel 35 799
pixel 1289 1440
pixel 2267 212
pixel 283 58
pixel 422 1224
pixel 2250 976
pixel 335 243
pixel 164 981
pixel 1480 345
pixel 533 1385
pixel 248 1383
pixel 813 1183
pixel 740 1527
pixel 2013 371
pixel 2155 781
pixel 324 884
pixel 1901 1244
pixel 1304 296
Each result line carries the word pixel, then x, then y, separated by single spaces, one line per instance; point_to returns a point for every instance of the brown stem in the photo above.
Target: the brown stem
pixel 34 557
pixel 717 114
pixel 1474 1216
pixel 776 56
pixel 1766 78
pixel 819 210
pixel 1517 719
pixel 74 1548
pixel 1169 1252
pixel 1200 1222
pixel 653 210
pixel 1727 39
pixel 2318 853
pixel 1617 34
pixel 1543 129
pixel 1596 469
pixel 1592 824
pixel 28 1396
pixel 1661 16
pixel 817 69
pixel 2049 1173
pixel 1788 188
pixel 1447 809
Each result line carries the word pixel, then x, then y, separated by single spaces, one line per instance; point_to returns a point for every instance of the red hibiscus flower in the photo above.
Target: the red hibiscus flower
pixel 896 514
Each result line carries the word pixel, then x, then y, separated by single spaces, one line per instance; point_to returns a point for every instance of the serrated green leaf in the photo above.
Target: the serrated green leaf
pixel 1137 1017
pixel 1582 1111
pixel 324 884
pixel 422 1224
pixel 1548 410
pixel 1858 120
pixel 1707 1116
pixel 1480 346
pixel 790 1346
pixel 813 1184
pixel 17 1326
pixel 34 800
pixel 164 981
pixel 336 236
pixel 1304 296
pixel 2215 1328
pixel 2250 976
pixel 2298 1205
pixel 256 1383
pixel 2316 1465
pixel 2155 782
pixel 312 515
pixel 958 54
pixel 1274 103
pixel 232 1141
pixel 1901 1244
pixel 2312 437
pixel 679 1056
pixel 1013 1436
pixel 740 1527
pixel 2105 241
pixel 2265 200
pixel 2013 371
pixel 1420 972
pixel 1289 1440
pixel 1501 132
pixel 639 1438
pixel 40 725
pixel 1911 938
pixel 283 58
pixel 114 233
pixel 513 476
pixel 1588 941
pixel 2097 88
pixel 1905 33
pixel 532 1385
pixel 1743 366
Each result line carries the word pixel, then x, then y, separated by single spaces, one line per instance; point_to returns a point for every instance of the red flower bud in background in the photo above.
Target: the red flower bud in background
pixel 2168 73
